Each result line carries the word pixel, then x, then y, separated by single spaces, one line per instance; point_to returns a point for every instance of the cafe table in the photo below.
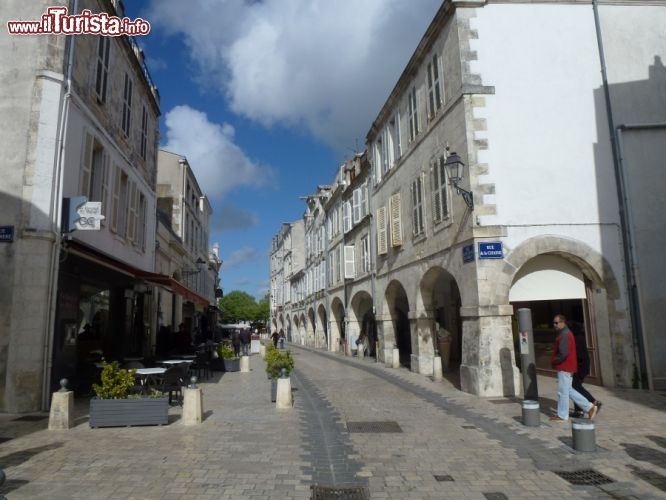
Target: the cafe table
pixel 170 362
pixel 148 376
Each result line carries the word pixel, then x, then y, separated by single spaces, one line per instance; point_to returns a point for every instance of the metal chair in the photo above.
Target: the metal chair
pixel 173 381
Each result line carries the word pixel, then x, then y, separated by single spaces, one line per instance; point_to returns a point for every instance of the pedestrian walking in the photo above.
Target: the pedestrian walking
pixel 275 336
pixel 583 358
pixel 565 362
pixel 245 339
pixel 235 340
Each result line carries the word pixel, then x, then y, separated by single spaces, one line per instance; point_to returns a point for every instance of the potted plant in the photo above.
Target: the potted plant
pixel 116 404
pixel 276 361
pixel 228 355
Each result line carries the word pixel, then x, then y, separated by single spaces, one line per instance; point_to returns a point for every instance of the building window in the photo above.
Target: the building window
pixel 396 220
pixel 127 105
pixel 120 208
pixel 350 264
pixel 95 172
pixel 144 132
pixel 417 207
pixel 434 88
pixel 440 196
pixel 141 223
pixel 365 248
pixel 132 211
pixel 413 114
pixel 102 73
pixel 347 216
pixel 382 241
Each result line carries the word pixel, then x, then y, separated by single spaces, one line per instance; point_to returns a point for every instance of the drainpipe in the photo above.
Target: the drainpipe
pixel 635 275
pixel 632 290
pixel 56 211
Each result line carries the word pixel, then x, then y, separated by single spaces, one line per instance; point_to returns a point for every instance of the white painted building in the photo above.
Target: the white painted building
pixel 554 109
pixel 80 119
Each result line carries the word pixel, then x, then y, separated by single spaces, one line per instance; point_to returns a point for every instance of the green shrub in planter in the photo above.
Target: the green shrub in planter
pixel 226 352
pixel 116 382
pixel 276 360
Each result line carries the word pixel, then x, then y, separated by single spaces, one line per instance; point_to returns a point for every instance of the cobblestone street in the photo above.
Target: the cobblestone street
pixel 356 424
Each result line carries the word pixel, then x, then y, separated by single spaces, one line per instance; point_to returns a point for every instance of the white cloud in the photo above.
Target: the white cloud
pixel 325 65
pixel 219 164
pixel 241 256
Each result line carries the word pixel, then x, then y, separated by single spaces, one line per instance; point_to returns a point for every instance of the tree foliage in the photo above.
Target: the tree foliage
pixel 263 309
pixel 238 306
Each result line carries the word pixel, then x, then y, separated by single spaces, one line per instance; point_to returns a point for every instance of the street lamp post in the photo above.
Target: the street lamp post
pixel 455 169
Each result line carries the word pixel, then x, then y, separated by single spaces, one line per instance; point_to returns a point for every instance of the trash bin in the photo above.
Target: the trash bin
pixel 531 413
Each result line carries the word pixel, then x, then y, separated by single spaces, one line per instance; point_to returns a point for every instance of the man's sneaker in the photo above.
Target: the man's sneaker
pixel 556 419
pixel 598 405
pixel 592 412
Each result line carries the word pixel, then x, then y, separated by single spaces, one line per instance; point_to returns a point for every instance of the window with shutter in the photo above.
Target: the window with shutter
pixel 396 222
pixel 356 204
pixel 115 203
pixel 347 216
pixel 364 200
pixel 417 207
pixel 86 165
pixel 350 264
pixel 382 243
pixel 132 212
pixel 102 73
pixel 439 188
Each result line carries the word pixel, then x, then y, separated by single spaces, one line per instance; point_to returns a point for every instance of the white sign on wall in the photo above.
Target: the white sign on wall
pixel 90 216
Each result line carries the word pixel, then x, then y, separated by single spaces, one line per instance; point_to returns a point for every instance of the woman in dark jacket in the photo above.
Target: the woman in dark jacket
pixel 583 358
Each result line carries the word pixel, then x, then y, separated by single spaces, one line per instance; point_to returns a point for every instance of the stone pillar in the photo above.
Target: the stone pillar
pixel 192 406
pixel 436 368
pixel 386 337
pixel 262 351
pixel 283 399
pixel 245 364
pixel 421 325
pixel 488 368
pixel 61 416
pixel 395 358
pixel 352 333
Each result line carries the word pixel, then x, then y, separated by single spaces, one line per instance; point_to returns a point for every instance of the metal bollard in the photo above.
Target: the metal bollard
pixel 583 435
pixel 531 413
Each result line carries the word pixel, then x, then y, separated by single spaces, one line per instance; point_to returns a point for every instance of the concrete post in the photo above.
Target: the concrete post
pixel 283 399
pixel 61 416
pixel 245 364
pixel 396 357
pixel 262 351
pixel 437 368
pixel 192 406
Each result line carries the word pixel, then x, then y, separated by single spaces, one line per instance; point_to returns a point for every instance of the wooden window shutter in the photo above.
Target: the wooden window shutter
pixel 382 244
pixel 347 216
pixel 396 222
pixel 350 264
pixel 86 166
pixel 115 204
pixel 436 194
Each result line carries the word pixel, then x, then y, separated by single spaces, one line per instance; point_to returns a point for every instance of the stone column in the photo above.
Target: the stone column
pixel 352 333
pixel 421 326
pixel 61 416
pixel 245 364
pixel 192 406
pixel 386 337
pixel 283 399
pixel 488 368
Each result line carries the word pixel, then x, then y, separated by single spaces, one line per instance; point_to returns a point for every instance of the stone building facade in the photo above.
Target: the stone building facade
pixel 548 124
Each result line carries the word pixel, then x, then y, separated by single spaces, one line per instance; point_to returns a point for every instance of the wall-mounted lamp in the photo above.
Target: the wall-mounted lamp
pixel 455 169
pixel 200 262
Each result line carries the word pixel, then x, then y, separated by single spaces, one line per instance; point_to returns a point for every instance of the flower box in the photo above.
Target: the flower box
pixel 129 412
pixel 232 365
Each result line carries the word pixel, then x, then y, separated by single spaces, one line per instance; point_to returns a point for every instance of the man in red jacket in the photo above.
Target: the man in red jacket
pixel 565 362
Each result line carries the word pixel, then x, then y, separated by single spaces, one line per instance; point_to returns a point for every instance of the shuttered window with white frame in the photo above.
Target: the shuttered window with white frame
pixel 396 220
pixel 418 227
pixel 347 216
pixel 440 194
pixel 382 241
pixel 350 263
pixel 356 205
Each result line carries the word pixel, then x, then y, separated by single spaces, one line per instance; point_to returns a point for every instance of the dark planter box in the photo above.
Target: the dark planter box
pixel 217 364
pixel 232 365
pixel 126 412
pixel 273 390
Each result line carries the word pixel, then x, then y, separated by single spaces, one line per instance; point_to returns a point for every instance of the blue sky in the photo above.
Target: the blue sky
pixel 266 98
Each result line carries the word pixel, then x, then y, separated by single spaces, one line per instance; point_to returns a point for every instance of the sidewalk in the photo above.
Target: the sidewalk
pixel 246 448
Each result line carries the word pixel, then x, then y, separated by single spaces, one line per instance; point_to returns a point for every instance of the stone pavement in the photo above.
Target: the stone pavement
pixel 433 442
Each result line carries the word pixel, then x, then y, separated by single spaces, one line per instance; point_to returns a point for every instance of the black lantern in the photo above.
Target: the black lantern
pixel 455 168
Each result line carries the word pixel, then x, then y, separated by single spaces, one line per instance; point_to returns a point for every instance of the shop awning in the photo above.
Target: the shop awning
pixel 548 277
pixel 168 282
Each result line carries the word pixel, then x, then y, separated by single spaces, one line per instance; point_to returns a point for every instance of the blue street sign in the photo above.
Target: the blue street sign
pixel 491 250
pixel 468 253
pixel 6 234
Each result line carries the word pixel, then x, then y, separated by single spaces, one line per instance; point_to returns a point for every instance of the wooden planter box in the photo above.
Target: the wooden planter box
pixel 127 412
pixel 232 365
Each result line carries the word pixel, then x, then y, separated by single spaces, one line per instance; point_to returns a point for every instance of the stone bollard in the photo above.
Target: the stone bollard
pixel 396 358
pixel 61 415
pixel 283 399
pixel 531 413
pixel 437 368
pixel 192 403
pixel 583 435
pixel 360 351
pixel 245 364
pixel 262 351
